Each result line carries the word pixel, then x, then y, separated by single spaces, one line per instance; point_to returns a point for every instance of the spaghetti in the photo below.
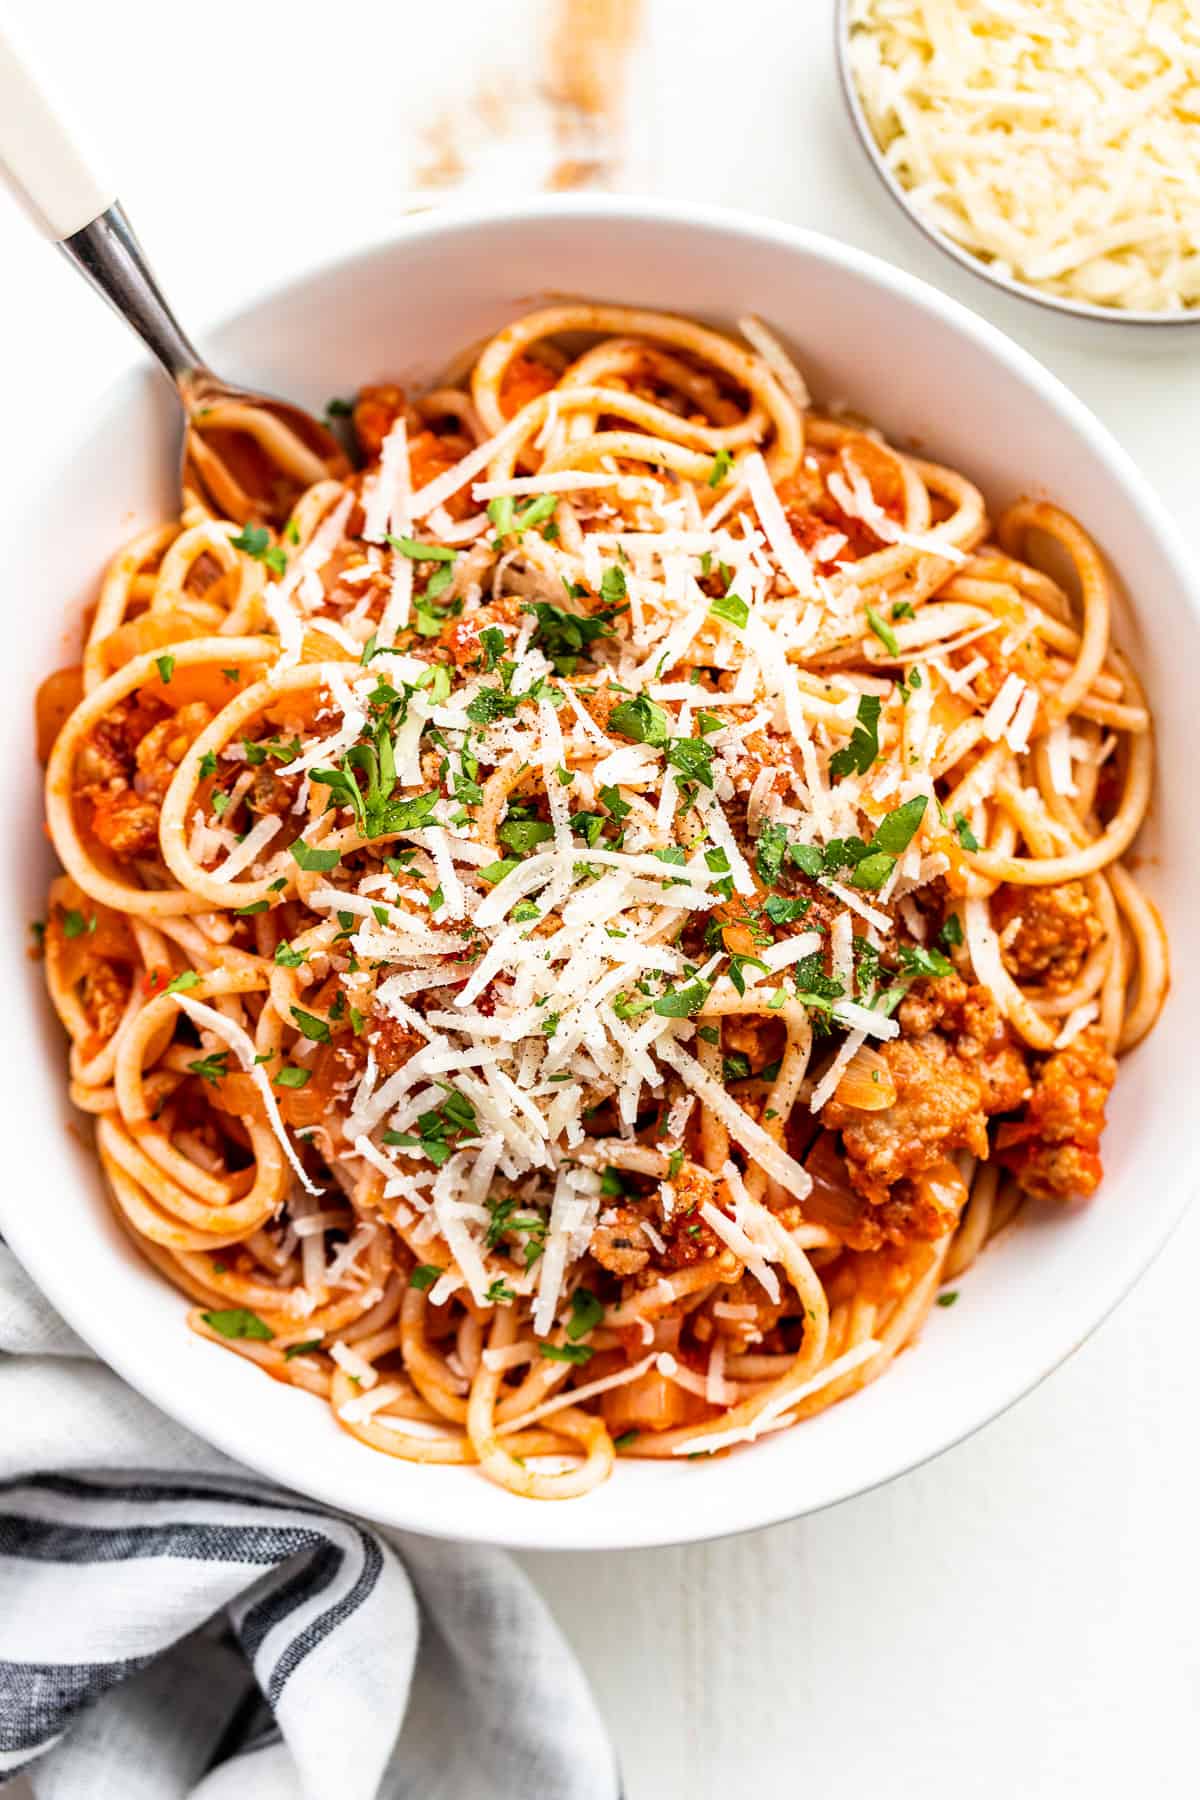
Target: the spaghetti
pixel 569 946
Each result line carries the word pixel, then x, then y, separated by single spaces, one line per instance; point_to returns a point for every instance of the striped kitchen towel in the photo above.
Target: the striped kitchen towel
pixel 171 1626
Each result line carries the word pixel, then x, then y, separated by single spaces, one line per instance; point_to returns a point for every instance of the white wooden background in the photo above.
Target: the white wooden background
pixel 1020 1617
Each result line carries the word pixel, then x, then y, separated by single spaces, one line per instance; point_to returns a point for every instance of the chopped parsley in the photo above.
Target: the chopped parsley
pixel 494 872
pixel 239 1322
pixel 883 632
pixel 563 636
pixel 437 1127
pixel 313 1028
pixel 769 853
pixel 730 607
pixel 856 757
pixel 682 1002
pixel 211 1068
pixel 785 912
pixel 524 835
pixel 693 758
pixel 292 1077
pixel 643 720
pixel 722 463
pixel 951 933
pixel 568 1353
pixel 896 831
pixel 313 860
pixel 491 643
pixel 586 1313
pixel 966 836
pixel 255 540
pixel 421 552
pixel 915 959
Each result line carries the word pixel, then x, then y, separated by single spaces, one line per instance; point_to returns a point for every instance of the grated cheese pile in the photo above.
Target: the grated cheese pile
pixel 1057 140
pixel 557 826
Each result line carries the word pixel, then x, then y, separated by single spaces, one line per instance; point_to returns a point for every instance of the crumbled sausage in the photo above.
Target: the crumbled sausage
pixel 1054 1150
pixel 375 412
pixel 125 824
pixel 967 1014
pixel 938 1108
pixel 1047 932
pixel 392 1043
pixel 125 767
pixel 619 1244
pixel 164 747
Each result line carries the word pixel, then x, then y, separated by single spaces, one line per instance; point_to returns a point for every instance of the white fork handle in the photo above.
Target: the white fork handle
pixel 47 160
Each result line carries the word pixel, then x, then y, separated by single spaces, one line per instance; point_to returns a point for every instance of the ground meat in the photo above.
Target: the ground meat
pixel 391 1042
pixel 164 747
pixel 956 1065
pixel 1055 930
pixel 813 513
pixel 125 767
pixel 921 1209
pixel 271 792
pixel 925 1208
pixel 969 1016
pixel 375 412
pixel 619 1244
pixel 109 752
pixel 524 379
pixel 104 991
pixel 938 1108
pixel 125 824
pixel 461 636
pixel 966 1013
pixel 689 1238
pixel 760 1039
pixel 745 928
pixel 1004 1074
pixel 1054 1150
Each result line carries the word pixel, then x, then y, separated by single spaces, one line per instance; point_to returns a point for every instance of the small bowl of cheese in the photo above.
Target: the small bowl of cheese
pixel 1050 146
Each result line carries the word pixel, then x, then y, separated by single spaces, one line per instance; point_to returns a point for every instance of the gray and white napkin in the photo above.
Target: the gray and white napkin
pixel 173 1628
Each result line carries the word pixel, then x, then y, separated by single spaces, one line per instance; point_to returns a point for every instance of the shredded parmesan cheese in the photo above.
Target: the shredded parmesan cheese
pixel 1053 139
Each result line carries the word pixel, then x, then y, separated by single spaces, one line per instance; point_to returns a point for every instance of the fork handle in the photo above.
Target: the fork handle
pixel 47 160
pixel 53 172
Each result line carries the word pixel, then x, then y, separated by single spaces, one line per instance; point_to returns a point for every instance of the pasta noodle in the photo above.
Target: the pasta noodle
pixel 569 944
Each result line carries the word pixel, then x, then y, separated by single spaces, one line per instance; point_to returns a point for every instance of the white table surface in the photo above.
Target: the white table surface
pixel 1019 1617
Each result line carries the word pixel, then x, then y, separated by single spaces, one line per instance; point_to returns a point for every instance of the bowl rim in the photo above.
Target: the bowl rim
pixel 759 1504
pixel 974 265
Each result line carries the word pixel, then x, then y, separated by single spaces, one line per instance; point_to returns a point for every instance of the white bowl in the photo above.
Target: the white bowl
pixel 928 371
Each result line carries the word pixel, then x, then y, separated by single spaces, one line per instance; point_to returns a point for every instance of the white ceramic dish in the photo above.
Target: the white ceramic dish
pixel 928 371
pixel 1134 320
